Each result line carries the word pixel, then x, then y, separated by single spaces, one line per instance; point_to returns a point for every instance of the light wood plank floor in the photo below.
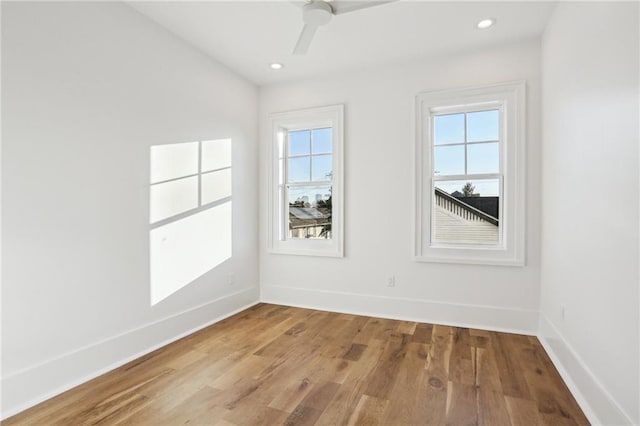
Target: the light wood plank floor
pixel 272 365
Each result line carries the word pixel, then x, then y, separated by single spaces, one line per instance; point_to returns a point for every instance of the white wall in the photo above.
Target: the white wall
pixel 590 204
pixel 87 89
pixel 379 184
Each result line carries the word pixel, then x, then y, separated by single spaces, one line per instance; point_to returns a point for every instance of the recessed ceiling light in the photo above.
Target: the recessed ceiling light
pixel 486 23
pixel 276 66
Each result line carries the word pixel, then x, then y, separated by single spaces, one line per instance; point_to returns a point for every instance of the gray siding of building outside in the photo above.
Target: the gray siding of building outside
pixel 452 228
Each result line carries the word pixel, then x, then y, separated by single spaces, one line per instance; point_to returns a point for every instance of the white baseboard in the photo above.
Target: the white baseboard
pixel 30 386
pixel 597 404
pixel 519 321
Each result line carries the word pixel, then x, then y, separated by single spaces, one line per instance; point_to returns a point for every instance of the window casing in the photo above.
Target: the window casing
pixel 470 175
pixel 306 196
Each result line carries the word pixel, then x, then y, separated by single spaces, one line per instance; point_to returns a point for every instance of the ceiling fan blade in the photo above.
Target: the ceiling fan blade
pixel 344 6
pixel 305 39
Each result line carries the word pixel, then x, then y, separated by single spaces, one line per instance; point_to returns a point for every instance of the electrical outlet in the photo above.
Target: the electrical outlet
pixel 391 281
pixel 562 311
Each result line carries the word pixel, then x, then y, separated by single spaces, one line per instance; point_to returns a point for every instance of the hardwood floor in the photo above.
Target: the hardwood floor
pixel 272 365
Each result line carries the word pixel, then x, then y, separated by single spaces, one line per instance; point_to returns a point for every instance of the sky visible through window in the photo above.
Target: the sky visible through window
pixel 309 176
pixel 310 157
pixel 467 144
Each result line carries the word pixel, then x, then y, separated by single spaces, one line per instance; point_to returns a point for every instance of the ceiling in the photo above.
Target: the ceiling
pixel 248 36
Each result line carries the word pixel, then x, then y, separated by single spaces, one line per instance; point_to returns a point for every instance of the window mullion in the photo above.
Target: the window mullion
pixel 455 143
pixel 310 183
pixel 465 144
pixel 481 142
pixel 467 177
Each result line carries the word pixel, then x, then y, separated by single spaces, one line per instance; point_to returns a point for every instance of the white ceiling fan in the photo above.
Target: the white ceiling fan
pixel 316 13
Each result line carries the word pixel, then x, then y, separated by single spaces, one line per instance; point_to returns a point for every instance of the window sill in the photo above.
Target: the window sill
pixel 318 253
pixel 471 261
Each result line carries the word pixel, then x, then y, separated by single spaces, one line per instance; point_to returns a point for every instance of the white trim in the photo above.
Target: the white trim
pixel 331 116
pixel 468 260
pixel 508 320
pixel 27 387
pixel 511 251
pixel 594 399
pixel 596 402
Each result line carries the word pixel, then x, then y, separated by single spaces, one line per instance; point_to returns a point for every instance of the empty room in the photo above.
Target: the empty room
pixel 320 212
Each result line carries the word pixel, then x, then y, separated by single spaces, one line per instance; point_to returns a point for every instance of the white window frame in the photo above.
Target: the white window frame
pixel 281 123
pixel 509 98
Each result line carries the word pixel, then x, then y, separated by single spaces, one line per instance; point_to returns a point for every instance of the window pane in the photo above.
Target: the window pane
pixel 299 169
pixel 322 141
pixel 448 128
pixel 466 212
pixel 483 158
pixel 173 161
pixel 449 160
pixel 216 185
pixel 310 212
pixel 300 142
pixel 171 198
pixel 322 167
pixel 483 126
pixel 216 154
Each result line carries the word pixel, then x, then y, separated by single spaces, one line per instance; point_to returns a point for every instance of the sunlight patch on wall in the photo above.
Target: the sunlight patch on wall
pixel 184 250
pixel 190 213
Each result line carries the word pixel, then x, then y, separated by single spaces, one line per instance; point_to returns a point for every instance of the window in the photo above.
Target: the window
pixel 306 190
pixel 470 180
pixel 190 212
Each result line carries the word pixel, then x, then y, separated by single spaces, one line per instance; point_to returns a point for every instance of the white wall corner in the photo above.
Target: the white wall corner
pixel 30 386
pixel 596 402
pixel 521 321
